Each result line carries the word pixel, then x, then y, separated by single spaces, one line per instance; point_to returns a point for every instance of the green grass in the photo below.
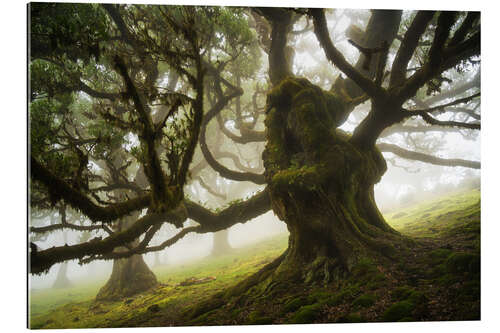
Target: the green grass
pixel 75 307
pixel 453 219
pixel 439 217
pixel 45 300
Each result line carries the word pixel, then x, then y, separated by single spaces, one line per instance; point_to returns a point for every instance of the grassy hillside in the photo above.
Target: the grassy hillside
pixel 453 214
pixel 437 280
pixel 75 307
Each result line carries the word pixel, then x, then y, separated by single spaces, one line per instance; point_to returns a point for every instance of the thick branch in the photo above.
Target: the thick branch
pixel 195 126
pixel 455 102
pixel 464 29
pixel 41 261
pixel 239 212
pixel 474 83
pixel 398 128
pixel 222 170
pixel 152 165
pixel 71 226
pixel 247 135
pixel 209 189
pixel 382 26
pixel 416 156
pixel 279 64
pixel 143 249
pixel 408 46
pixel 433 121
pixel 59 189
pixel 97 94
pixel 439 58
pixel 336 57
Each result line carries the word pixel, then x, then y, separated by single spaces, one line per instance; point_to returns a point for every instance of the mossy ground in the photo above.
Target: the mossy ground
pixel 439 279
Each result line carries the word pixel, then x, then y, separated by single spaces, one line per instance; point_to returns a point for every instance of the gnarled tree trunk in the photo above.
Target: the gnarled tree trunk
pixel 321 185
pixel 129 277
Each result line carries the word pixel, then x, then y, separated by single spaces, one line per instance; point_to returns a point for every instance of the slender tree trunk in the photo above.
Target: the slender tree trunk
pixel 321 186
pixel 221 243
pixel 62 280
pixel 157 259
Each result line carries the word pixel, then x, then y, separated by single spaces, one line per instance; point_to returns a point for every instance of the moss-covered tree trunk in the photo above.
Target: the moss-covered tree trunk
pixel 321 185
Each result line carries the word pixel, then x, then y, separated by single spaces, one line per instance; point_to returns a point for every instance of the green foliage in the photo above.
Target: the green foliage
pixel 59 27
pixel 233 35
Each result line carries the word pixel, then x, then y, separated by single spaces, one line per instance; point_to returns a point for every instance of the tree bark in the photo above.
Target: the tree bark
pixel 129 277
pixel 321 186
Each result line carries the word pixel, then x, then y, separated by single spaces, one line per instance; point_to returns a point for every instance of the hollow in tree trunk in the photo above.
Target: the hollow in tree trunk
pixel 321 186
pixel 221 243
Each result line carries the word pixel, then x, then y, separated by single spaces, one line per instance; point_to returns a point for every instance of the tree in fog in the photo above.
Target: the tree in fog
pixel 102 115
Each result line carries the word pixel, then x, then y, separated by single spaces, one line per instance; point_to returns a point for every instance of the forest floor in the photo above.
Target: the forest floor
pixel 439 279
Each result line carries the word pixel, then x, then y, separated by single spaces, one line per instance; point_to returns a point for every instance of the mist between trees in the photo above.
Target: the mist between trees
pixel 153 128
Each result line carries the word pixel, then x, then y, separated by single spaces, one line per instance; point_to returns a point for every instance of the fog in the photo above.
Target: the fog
pixel 399 187
pixel 405 182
